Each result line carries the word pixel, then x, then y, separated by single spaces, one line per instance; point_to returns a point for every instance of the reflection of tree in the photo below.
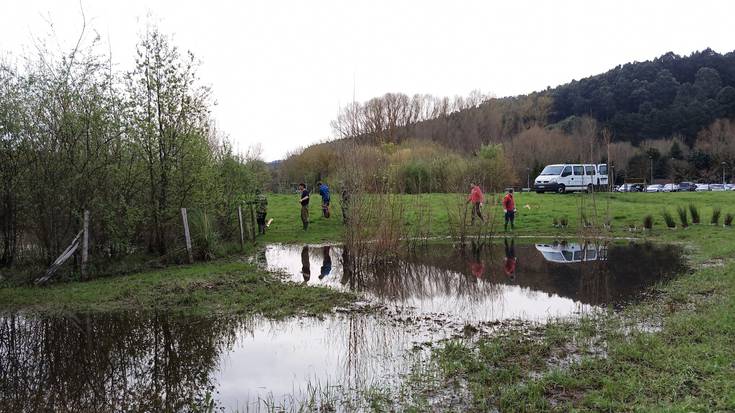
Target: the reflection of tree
pixel 416 276
pixel 443 270
pixel 109 362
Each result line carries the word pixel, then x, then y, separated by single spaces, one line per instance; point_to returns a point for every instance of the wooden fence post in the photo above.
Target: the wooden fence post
pixel 242 231
pixel 85 244
pixel 186 235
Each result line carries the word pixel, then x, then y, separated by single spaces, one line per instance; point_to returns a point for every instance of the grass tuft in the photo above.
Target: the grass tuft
pixel 668 219
pixel 695 213
pixel 728 219
pixel 683 217
pixel 715 216
pixel 648 222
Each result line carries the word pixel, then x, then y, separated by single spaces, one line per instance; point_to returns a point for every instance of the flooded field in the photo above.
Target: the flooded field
pixel 164 362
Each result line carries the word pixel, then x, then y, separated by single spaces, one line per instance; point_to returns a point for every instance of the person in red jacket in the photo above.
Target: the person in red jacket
pixel 509 205
pixel 476 198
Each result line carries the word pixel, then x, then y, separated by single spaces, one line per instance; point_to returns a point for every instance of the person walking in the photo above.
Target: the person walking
pixel 304 200
pixel 476 198
pixel 509 205
pixel 261 210
pixel 324 192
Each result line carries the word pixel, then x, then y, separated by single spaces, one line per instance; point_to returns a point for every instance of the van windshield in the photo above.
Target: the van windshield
pixel 552 170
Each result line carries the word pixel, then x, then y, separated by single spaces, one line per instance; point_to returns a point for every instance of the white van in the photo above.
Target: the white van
pixel 571 177
pixel 572 252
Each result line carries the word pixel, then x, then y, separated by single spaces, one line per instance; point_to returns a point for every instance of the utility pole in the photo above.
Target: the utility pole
pixel 723 172
pixel 650 158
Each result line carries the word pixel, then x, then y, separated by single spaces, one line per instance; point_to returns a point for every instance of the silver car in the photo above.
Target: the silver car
pixel 655 188
pixel 670 188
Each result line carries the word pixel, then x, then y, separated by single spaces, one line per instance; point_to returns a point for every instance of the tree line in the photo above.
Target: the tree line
pixel 672 113
pixel 130 146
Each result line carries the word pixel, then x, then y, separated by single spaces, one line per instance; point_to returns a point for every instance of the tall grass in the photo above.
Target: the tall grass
pixel 695 213
pixel 648 222
pixel 728 219
pixel 668 219
pixel 683 216
pixel 205 239
pixel 715 216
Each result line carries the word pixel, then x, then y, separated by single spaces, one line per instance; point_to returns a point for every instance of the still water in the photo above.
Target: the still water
pixel 164 362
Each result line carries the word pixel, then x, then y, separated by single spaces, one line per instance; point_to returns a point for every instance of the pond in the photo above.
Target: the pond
pixel 166 362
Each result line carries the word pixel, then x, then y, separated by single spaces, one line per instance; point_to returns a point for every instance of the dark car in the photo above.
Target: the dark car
pixel 687 187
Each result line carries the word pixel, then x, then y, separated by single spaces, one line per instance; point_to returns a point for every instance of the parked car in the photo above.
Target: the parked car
pixel 687 186
pixel 730 187
pixel 717 187
pixel 630 188
pixel 671 188
pixel 655 188
pixel 702 188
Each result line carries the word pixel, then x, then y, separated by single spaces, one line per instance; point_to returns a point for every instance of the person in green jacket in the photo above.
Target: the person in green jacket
pixel 261 210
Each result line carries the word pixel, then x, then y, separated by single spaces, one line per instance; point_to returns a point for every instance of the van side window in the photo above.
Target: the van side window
pixel 590 170
pixel 578 170
pixel 603 169
pixel 567 171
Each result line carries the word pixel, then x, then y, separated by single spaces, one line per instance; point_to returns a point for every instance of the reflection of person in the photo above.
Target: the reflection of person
pixel 476 198
pixel 261 209
pixel 305 265
pixel 509 205
pixel 326 262
pixel 304 200
pixel 477 268
pixel 510 258
pixel 324 192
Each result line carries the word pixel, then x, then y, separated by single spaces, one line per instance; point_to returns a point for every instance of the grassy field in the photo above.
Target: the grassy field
pixel 218 287
pixel 535 217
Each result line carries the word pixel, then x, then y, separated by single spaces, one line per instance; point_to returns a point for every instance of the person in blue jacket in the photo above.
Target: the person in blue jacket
pixel 324 192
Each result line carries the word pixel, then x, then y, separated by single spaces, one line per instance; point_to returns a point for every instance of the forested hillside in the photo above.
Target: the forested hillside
pixel 670 95
pixel 674 114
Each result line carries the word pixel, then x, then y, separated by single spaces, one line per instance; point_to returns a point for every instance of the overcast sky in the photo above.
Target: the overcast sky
pixel 280 70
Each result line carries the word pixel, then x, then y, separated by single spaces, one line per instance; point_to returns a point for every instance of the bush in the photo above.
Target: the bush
pixel 695 213
pixel 668 219
pixel 715 216
pixel 648 222
pixel 683 217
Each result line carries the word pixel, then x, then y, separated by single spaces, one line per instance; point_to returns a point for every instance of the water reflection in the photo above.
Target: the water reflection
pixel 505 281
pixel 154 362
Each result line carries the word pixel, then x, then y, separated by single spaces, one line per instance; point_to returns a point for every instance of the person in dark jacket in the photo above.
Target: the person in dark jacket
pixel 304 201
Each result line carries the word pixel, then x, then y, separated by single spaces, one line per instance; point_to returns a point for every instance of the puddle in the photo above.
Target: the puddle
pixel 164 362
pixel 533 282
